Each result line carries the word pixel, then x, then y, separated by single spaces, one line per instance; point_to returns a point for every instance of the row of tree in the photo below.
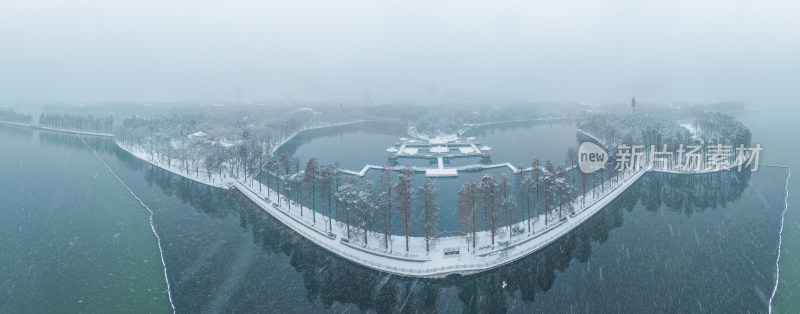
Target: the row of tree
pixel 69 122
pixel 491 204
pixel 15 117
pixel 364 209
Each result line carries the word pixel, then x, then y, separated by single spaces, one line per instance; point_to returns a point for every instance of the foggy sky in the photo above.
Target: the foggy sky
pixel 592 51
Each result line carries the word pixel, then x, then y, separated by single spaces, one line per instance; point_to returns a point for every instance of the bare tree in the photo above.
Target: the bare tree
pixel 310 176
pixel 467 202
pixel 548 187
pixel 365 209
pixel 287 189
pixel 584 178
pixel 327 174
pixel 507 204
pixel 286 162
pixel 243 152
pixel 526 189
pixel 571 159
pixel 404 194
pixel 563 190
pixel 489 204
pixel 208 164
pixel 273 169
pixel 336 177
pixel 429 212
pixel 296 183
pixel 346 197
pixel 520 191
pixel 536 180
pixel 383 205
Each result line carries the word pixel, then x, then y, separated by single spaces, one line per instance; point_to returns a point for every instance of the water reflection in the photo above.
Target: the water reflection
pixel 613 262
pixel 521 141
pixel 352 145
pixel 16 131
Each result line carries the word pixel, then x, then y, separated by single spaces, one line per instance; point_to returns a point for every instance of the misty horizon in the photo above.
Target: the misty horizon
pixel 94 51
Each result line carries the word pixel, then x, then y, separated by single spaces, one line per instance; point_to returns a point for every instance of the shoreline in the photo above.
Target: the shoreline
pixel 42 128
pixel 448 257
pixel 282 142
pixel 416 263
pixel 436 264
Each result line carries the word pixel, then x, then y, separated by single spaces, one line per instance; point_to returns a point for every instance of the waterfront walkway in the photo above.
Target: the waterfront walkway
pixel 450 255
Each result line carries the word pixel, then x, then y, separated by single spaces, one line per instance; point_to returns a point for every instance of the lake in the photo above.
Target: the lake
pixel 671 243
pixel 357 145
pixel 74 240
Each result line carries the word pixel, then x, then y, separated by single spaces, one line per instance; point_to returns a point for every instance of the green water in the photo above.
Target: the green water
pixel 776 130
pixel 74 240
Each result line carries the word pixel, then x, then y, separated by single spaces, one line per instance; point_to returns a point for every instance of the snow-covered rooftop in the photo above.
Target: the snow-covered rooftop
pixel 446 172
pixel 439 149
pixel 466 150
pixel 410 151
pixel 197 134
pixel 438 141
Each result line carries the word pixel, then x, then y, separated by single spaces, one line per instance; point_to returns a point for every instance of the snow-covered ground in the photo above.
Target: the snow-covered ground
pixel 449 255
pixel 695 132
pixel 75 132
pixel 15 123
pixel 58 130
pixel 216 180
